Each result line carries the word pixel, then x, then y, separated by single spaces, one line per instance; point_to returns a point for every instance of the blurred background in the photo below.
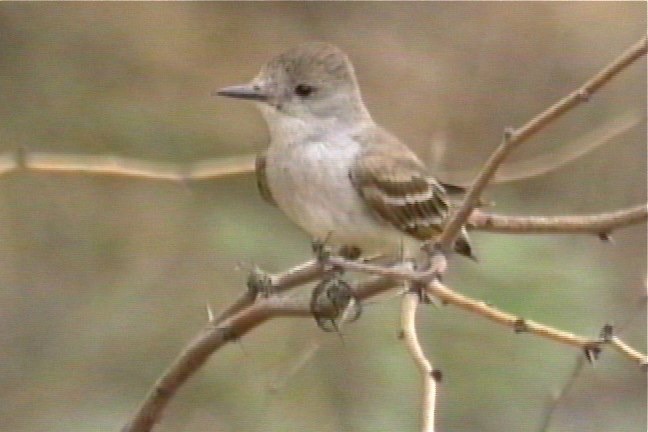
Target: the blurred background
pixel 103 279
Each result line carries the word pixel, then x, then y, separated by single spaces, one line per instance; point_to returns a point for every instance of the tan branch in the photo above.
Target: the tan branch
pixel 518 324
pixel 514 137
pixel 629 352
pixel 602 223
pixel 409 306
pixel 122 166
pixel 217 333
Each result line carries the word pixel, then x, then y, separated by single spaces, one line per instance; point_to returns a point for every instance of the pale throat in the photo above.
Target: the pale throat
pixel 294 128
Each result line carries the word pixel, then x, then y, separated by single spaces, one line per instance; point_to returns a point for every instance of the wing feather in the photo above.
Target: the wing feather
pixel 397 188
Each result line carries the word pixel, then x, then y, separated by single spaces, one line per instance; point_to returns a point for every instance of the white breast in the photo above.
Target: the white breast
pixel 310 183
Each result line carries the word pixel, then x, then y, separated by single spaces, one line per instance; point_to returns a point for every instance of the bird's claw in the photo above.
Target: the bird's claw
pixel 333 299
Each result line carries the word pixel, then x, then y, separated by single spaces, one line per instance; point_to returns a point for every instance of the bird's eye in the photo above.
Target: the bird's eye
pixel 304 90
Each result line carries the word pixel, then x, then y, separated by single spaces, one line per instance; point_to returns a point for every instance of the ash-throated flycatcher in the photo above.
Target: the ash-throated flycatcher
pixel 330 168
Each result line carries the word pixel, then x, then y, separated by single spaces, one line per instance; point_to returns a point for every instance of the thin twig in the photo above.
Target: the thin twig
pixel 409 306
pixel 561 393
pixel 602 223
pixel 629 352
pixel 123 166
pixel 514 137
pixel 518 324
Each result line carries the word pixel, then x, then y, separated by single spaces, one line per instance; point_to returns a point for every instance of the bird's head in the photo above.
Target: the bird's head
pixel 314 80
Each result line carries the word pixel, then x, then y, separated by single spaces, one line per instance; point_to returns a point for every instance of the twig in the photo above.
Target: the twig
pixel 561 393
pixel 518 324
pixel 602 223
pixel 514 137
pixel 123 166
pixel 629 352
pixel 409 305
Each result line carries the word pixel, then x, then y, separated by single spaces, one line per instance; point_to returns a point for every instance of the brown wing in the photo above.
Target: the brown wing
pixel 262 180
pixel 401 192
pixel 396 186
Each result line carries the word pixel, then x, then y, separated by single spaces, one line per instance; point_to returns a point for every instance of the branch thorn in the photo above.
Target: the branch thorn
pixel 436 375
pixel 584 95
pixel 520 326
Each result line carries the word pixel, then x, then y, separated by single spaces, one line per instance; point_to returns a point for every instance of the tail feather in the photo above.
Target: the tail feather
pixel 463 247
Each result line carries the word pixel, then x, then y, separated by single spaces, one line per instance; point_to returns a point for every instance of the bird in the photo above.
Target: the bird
pixel 331 168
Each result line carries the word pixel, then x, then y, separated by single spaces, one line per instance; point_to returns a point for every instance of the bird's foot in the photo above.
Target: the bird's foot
pixel 333 301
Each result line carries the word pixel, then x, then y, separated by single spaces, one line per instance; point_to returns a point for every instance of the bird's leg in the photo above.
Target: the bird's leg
pixel 332 297
pixel 434 262
pixel 431 265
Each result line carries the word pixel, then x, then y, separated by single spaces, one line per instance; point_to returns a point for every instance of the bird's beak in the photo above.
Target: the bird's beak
pixel 245 91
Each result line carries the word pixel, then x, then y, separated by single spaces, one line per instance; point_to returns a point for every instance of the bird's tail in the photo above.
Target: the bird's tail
pixel 463 247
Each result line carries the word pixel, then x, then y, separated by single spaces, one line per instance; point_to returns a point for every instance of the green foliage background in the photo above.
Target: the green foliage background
pixel 104 279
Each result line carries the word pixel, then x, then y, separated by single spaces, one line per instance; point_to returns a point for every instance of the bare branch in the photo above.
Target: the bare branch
pixel 629 352
pixel 603 223
pixel 409 306
pixel 514 137
pixel 518 324
pixel 122 166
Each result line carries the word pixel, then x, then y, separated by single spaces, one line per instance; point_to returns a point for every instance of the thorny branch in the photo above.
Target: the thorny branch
pixel 249 313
